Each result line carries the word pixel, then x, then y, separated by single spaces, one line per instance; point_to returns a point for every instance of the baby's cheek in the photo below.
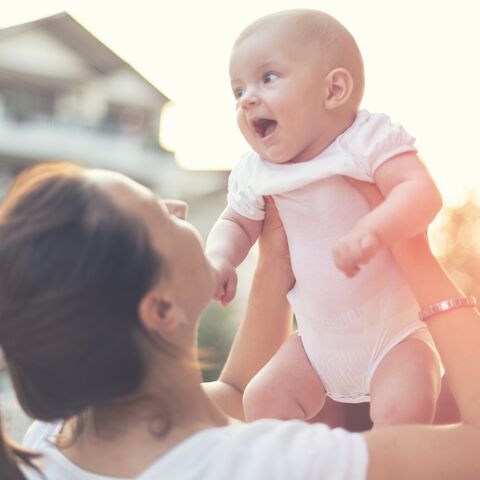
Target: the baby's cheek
pixel 244 130
pixel 240 119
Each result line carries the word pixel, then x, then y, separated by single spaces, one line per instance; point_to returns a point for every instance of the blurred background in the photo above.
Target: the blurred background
pixel 142 87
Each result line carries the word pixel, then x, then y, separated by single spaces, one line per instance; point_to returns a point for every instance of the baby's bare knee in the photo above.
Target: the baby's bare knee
pixel 404 409
pixel 264 401
pixel 257 402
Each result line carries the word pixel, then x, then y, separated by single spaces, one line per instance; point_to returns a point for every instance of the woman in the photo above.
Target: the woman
pixel 101 288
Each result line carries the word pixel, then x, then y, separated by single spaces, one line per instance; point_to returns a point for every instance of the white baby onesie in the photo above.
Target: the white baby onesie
pixel 347 325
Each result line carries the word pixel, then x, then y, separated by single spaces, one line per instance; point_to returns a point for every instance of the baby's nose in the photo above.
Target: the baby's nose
pixel 250 99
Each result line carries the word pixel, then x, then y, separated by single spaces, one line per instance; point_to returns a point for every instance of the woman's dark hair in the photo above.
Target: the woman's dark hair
pixel 73 269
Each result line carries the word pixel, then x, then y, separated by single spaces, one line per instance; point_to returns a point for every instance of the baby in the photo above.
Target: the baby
pixel 297 77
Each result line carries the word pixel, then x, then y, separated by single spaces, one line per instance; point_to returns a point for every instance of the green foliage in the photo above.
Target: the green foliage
pixel 216 333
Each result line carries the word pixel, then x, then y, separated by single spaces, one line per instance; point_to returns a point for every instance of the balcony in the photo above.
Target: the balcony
pixel 47 138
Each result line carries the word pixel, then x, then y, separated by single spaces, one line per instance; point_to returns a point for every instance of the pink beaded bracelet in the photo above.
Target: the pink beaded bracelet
pixel 446 305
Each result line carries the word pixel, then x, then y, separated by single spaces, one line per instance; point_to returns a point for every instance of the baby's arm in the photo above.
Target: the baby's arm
pixel 411 202
pixel 268 318
pixel 228 244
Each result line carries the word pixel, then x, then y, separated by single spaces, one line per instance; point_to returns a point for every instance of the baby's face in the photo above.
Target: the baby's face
pixel 279 89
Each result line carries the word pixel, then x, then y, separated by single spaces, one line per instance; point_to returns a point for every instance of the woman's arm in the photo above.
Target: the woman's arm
pixel 456 333
pixel 422 452
pixel 267 321
pixel 457 329
pixel 451 452
pixel 425 452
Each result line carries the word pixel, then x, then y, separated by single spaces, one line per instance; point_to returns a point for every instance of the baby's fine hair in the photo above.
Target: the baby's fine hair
pixel 336 45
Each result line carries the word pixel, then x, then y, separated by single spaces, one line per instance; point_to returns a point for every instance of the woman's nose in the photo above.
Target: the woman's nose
pixel 177 208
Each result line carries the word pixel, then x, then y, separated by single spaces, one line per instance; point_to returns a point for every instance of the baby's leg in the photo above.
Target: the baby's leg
pixel 287 387
pixel 406 385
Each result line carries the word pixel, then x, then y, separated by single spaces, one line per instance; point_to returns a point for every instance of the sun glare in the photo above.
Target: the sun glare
pixel 169 135
pixel 422 78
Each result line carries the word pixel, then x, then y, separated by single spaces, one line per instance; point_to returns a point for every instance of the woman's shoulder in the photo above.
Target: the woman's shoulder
pixel 266 449
pixel 40 437
pixel 40 434
pixel 258 450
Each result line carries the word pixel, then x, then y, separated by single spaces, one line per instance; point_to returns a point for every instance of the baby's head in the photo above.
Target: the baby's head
pixel 298 79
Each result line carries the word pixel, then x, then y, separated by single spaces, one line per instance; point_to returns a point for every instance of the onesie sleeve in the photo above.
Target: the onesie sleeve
pixel 241 192
pixel 375 140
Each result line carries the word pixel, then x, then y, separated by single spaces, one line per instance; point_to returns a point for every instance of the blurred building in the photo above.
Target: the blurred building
pixel 64 95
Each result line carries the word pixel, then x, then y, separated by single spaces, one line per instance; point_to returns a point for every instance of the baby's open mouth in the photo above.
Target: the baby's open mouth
pixel 264 126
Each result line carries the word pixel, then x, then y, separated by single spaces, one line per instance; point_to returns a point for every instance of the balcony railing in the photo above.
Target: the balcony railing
pixel 99 146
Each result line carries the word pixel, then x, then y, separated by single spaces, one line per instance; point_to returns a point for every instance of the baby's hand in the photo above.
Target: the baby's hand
pixel 355 248
pixel 226 281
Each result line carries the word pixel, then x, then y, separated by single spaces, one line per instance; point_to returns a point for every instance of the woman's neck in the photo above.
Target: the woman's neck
pixel 146 427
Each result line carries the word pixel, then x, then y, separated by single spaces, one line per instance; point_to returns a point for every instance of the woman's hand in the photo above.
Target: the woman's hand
pixel 273 243
pixel 273 239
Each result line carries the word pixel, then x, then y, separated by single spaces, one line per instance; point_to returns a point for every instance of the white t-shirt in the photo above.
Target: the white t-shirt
pixel 261 450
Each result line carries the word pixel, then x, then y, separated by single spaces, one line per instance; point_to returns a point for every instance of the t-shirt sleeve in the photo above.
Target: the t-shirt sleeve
pixel 377 140
pixel 31 474
pixel 38 436
pixel 330 454
pixel 241 195
pixel 40 433
pixel 296 450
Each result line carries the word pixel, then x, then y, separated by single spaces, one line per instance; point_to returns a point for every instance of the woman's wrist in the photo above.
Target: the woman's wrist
pixel 276 270
pixel 407 251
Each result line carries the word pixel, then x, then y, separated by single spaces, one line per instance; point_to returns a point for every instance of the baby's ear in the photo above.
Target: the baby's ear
pixel 338 88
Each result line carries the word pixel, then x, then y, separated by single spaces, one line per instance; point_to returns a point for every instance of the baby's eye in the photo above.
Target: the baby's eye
pixel 238 92
pixel 269 77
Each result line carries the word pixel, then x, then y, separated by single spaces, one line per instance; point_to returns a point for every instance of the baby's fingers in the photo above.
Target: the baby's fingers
pixel 230 289
pixel 344 258
pixel 369 245
pixel 355 249
pixel 218 295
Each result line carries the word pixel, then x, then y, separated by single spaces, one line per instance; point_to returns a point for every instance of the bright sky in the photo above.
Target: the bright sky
pixel 422 68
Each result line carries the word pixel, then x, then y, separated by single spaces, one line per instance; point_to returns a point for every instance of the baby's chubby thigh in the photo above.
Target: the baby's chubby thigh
pixel 287 387
pixel 406 385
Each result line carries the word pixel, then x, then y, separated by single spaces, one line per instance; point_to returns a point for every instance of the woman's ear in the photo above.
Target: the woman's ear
pixel 158 313
pixel 338 88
